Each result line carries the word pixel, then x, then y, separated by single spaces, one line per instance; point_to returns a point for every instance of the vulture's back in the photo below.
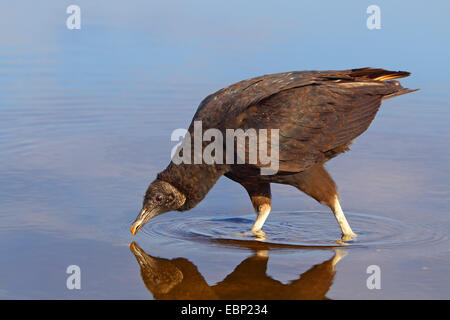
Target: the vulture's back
pixel 318 113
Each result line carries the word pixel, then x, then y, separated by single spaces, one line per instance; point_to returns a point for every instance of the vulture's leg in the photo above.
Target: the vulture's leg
pixel 317 183
pixel 347 233
pixel 260 197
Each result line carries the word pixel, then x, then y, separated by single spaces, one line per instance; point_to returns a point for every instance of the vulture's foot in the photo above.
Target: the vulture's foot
pixel 348 237
pixel 259 235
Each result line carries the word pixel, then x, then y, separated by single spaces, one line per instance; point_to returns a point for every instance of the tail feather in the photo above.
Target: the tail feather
pixel 399 93
pixel 377 74
pixel 364 74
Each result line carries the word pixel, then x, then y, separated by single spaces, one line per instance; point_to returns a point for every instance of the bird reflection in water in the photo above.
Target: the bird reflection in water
pixel 179 279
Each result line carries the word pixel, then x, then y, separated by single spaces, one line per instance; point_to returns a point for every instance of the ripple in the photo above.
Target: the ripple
pixel 291 229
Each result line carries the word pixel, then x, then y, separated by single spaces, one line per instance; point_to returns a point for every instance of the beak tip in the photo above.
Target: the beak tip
pixel 141 219
pixel 134 230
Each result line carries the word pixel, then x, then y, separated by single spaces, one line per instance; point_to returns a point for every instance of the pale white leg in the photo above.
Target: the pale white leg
pixel 262 214
pixel 347 232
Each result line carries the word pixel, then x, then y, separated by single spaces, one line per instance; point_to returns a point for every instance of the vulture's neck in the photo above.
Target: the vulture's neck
pixel 193 180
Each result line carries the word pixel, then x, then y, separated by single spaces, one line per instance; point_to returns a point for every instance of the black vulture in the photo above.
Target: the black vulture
pixel 317 115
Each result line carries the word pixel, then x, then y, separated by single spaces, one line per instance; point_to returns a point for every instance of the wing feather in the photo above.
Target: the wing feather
pixel 316 112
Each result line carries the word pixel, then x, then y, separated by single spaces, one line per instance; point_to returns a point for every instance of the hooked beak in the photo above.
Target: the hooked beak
pixel 143 217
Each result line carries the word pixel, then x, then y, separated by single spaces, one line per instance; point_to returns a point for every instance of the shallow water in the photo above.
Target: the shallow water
pixel 85 124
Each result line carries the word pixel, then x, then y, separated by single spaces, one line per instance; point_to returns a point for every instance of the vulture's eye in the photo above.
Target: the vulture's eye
pixel 159 197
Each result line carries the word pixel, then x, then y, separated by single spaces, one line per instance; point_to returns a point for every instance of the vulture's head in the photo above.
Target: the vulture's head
pixel 160 197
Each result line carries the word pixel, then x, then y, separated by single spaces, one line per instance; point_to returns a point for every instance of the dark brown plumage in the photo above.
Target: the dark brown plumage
pixel 180 279
pixel 318 114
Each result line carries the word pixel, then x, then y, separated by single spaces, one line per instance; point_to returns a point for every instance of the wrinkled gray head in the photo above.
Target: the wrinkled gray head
pixel 160 197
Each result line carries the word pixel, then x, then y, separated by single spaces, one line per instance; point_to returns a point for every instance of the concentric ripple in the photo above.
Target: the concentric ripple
pixel 290 229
